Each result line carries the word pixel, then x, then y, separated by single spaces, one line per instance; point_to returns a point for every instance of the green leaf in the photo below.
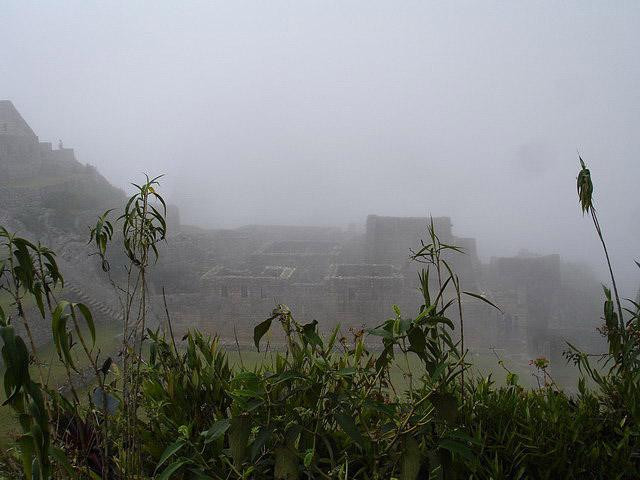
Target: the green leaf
pixel 37 293
pixel 170 451
pixel 59 456
pixel 286 377
pixel 416 339
pixel 308 457
pixel 260 330
pixel 261 439
pixel 86 313
pixel 387 409
pixel 423 277
pixel 384 358
pixel 485 300
pixel 349 427
pixel 16 357
pixel 238 436
pixel 332 338
pixel 35 473
pixel 434 320
pixel 346 372
pixel 404 324
pixel 310 334
pixel 425 311
pixel 381 331
pixel 60 336
pixel 106 366
pixel 26 450
pixel 457 448
pixel 171 469
pixel 410 460
pixel 442 290
pixel 40 445
pixel 216 431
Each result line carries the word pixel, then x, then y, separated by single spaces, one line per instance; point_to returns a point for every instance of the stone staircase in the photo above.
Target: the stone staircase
pixel 93 304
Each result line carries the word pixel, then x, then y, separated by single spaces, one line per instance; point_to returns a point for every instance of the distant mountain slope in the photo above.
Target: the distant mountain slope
pixel 45 190
pixel 47 195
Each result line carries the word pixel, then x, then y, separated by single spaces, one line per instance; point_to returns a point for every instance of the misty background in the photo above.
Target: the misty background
pixel 319 113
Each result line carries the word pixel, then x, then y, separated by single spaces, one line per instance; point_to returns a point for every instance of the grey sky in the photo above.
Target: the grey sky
pixel 323 112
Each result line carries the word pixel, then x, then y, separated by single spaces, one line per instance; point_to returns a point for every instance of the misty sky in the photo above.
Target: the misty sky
pixel 324 112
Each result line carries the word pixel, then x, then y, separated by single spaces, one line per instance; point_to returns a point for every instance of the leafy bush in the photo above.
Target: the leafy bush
pixel 323 407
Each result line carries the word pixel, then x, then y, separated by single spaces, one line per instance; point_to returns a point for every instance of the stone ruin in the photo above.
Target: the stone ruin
pixel 225 281
pixel 353 278
pixel 43 190
pixel 46 194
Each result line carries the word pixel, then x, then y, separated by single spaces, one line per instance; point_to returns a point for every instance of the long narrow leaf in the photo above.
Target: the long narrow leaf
pixel 486 300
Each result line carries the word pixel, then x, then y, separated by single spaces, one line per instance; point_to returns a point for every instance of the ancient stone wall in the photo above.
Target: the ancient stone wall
pixel 221 279
pixel 388 239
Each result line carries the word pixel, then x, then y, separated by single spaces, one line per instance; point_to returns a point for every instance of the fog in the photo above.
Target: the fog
pixel 324 112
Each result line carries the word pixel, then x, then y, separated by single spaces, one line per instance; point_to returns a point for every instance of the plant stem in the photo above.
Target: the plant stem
pixel 613 279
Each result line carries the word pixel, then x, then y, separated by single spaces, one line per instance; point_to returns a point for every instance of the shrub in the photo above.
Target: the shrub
pixel 323 407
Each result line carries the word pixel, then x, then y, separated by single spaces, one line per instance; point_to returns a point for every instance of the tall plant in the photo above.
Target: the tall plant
pixel 143 227
pixel 585 195
pixel 29 274
pixel 621 333
pixel 619 384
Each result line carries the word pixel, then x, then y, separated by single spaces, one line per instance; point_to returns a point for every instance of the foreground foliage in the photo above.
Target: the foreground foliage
pixel 320 407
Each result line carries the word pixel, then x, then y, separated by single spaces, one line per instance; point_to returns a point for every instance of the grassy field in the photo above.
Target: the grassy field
pixel 483 364
pixel 108 339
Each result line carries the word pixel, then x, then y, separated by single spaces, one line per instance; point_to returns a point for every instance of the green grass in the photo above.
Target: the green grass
pixel 483 364
pixel 108 339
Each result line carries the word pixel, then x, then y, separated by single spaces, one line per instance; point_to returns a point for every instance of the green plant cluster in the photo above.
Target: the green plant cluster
pixel 324 407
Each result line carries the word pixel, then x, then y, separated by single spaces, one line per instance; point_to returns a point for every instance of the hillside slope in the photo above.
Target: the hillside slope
pixel 47 195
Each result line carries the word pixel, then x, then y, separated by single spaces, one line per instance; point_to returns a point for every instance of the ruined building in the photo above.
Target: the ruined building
pixel 341 276
pixel 320 273
pixel 43 189
pixel 46 194
pixel 225 281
